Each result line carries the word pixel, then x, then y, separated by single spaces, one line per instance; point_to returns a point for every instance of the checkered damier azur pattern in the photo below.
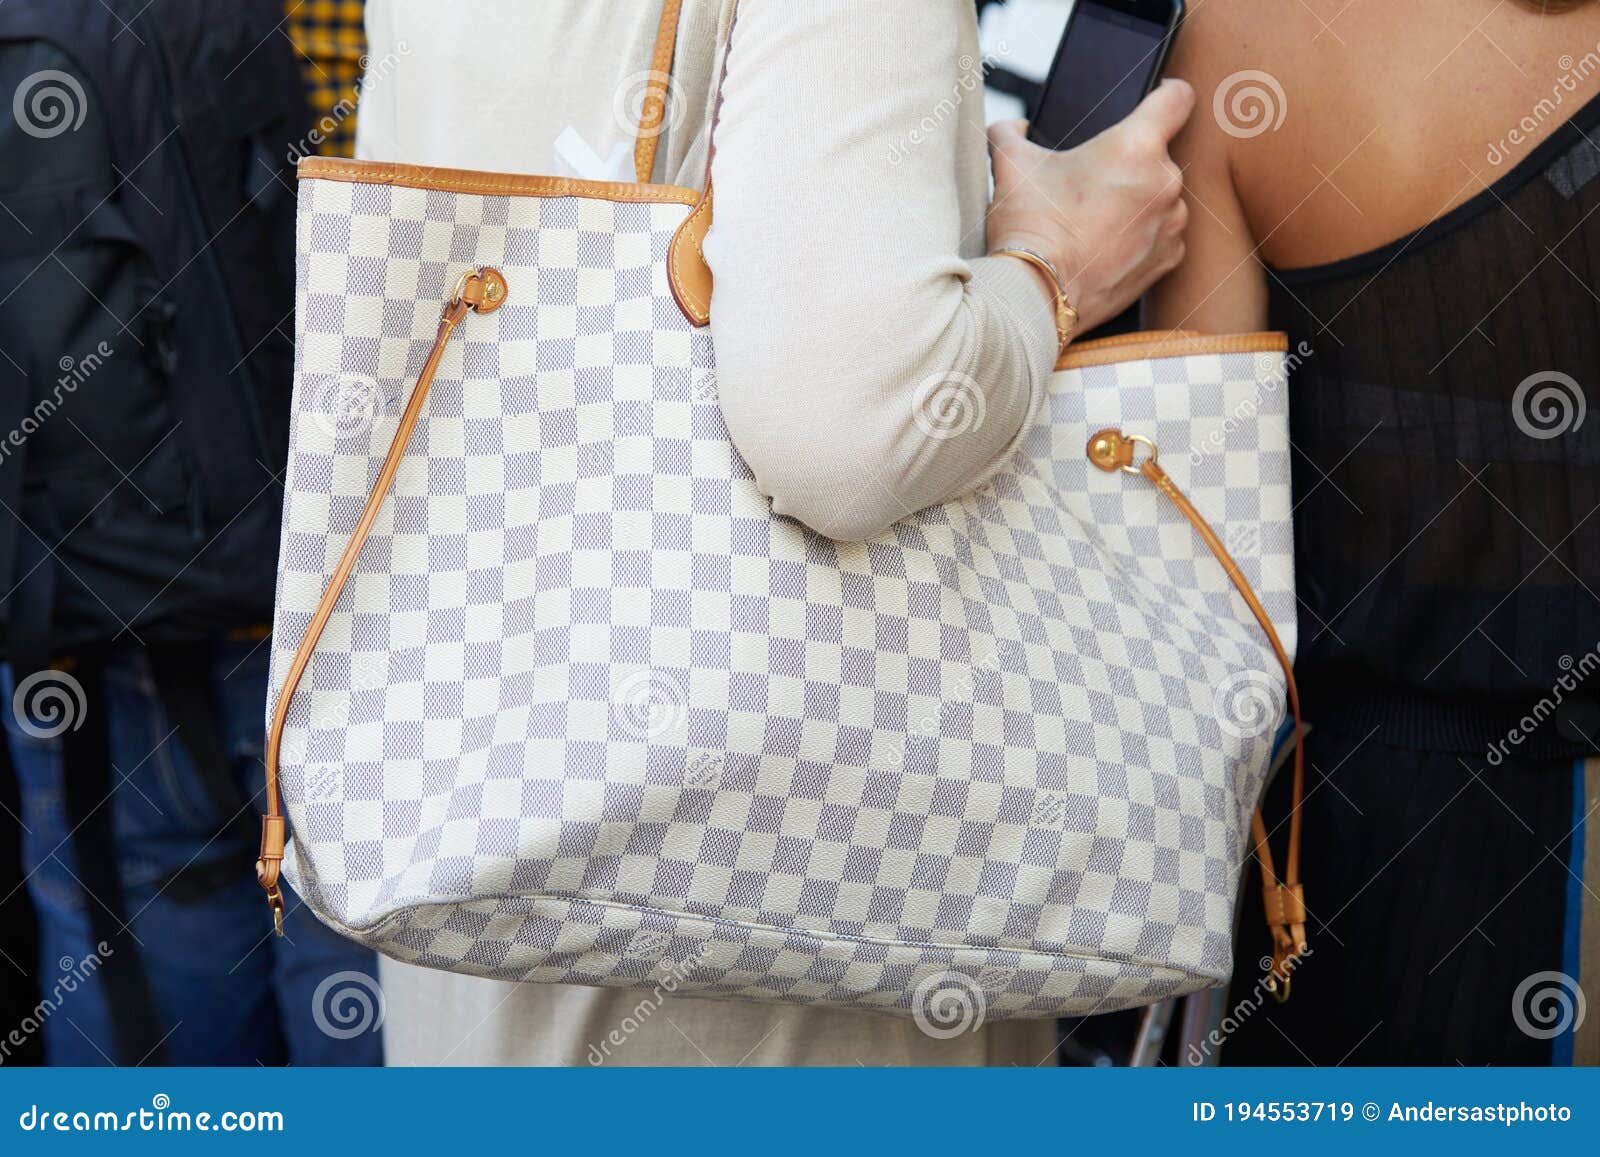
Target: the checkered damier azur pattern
pixel 588 713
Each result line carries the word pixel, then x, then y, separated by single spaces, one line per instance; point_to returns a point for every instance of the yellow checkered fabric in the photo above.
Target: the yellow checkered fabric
pixel 331 41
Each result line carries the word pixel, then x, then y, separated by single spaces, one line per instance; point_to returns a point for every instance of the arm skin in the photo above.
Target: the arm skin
pixel 1221 287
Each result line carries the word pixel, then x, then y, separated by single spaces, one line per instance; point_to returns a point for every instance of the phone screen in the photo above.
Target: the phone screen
pixel 1104 67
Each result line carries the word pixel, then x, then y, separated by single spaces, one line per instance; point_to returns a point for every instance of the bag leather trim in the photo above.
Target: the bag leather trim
pixel 487 184
pixel 687 269
pixel 1167 343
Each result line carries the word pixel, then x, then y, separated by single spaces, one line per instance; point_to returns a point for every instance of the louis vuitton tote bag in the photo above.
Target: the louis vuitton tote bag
pixel 556 698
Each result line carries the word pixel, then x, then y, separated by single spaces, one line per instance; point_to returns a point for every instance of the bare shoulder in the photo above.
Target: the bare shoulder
pixel 1247 60
pixel 1286 93
pixel 1314 107
pixel 1214 29
pixel 1233 52
pixel 1220 37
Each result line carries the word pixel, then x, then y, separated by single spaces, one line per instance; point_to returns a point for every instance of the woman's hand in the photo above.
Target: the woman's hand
pixel 1109 214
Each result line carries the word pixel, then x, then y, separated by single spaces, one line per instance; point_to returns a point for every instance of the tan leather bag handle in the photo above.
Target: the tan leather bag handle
pixel 690 274
pixel 654 109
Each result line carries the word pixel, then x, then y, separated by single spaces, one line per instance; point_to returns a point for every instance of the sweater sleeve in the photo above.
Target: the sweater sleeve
pixel 866 370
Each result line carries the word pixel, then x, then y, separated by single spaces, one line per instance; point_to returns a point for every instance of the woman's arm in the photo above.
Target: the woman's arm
pixel 866 369
pixel 1221 287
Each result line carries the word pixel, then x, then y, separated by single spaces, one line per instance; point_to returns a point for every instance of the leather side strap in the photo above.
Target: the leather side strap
pixel 655 97
pixel 482 291
pixel 1284 897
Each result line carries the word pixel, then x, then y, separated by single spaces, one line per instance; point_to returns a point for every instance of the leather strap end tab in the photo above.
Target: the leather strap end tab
pixel 273 838
pixel 269 864
pixel 1110 450
pixel 1286 916
pixel 1285 905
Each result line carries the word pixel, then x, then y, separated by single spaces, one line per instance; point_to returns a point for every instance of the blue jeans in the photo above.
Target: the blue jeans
pixel 226 992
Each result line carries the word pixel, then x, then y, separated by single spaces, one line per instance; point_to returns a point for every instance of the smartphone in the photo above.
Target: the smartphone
pixel 1111 55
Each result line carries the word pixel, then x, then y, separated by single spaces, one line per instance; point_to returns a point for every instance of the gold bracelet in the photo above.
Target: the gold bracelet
pixel 1066 315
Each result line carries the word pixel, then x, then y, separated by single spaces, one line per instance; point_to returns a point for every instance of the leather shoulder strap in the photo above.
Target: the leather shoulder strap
pixel 652 116
pixel 690 275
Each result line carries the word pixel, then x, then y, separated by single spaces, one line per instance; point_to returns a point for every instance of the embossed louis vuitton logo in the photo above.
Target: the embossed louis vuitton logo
pixel 1244 539
pixel 324 781
pixel 648 942
pixel 704 771
pixel 1049 810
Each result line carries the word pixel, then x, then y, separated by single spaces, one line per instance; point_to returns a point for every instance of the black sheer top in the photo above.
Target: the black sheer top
pixel 1447 471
